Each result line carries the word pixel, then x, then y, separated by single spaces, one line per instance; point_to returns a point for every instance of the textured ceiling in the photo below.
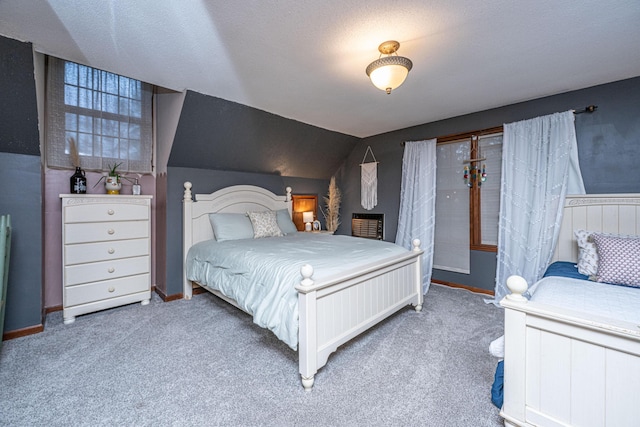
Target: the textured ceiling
pixel 305 59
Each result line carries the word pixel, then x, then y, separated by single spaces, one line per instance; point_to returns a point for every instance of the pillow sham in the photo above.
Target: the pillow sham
pixel 587 254
pixel 264 224
pixel 618 260
pixel 283 218
pixel 231 226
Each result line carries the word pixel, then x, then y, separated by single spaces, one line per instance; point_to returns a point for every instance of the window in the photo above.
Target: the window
pixel 486 198
pixel 451 234
pixel 466 216
pixel 108 116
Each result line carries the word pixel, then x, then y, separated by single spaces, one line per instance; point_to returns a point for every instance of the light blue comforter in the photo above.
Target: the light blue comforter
pixel 260 274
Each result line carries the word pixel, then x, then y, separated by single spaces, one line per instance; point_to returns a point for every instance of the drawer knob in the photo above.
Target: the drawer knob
pixel 111 211
pixel 111 289
pixel 111 231
pixel 111 250
pixel 111 270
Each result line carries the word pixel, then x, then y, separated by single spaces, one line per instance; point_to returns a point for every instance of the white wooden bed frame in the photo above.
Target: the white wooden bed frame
pixel 330 312
pixel 562 369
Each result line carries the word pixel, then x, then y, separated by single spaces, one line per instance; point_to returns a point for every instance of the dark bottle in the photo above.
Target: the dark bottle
pixel 78 182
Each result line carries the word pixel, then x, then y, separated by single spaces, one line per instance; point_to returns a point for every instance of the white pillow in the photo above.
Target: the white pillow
pixel 264 224
pixel 587 254
pixel 230 226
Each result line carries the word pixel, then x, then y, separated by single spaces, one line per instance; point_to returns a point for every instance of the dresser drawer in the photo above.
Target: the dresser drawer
pixel 116 211
pixel 91 252
pixel 97 271
pixel 90 292
pixel 105 231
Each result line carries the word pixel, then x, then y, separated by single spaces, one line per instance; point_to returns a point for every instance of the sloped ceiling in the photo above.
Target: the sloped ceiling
pixel 305 59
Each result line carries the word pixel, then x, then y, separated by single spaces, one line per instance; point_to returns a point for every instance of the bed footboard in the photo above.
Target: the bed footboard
pixel 333 312
pixel 562 369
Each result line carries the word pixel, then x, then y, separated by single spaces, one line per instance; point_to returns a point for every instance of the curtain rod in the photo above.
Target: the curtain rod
pixel 588 109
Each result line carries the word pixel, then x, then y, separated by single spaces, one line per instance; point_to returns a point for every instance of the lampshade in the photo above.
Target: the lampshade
pixel 389 72
pixel 307 217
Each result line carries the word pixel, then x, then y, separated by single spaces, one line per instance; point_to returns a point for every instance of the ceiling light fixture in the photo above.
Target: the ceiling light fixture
pixel 387 73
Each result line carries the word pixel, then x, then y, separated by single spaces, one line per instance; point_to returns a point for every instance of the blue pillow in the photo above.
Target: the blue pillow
pixel 283 217
pixel 564 269
pixel 231 226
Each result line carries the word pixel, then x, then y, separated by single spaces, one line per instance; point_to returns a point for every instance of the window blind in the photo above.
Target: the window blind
pixel 451 237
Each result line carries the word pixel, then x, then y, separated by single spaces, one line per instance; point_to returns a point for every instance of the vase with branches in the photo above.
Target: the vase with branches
pixel 332 203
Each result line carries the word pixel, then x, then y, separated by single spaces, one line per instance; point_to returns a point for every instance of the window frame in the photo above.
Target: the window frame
pixel 58 110
pixel 475 217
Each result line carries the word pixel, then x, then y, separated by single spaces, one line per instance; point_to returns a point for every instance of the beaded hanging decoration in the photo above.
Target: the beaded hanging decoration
pixel 474 174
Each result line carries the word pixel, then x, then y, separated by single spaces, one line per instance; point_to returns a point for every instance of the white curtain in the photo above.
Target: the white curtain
pixel 417 202
pixel 539 167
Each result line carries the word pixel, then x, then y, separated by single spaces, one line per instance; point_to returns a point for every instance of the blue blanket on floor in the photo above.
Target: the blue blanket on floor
pixel 497 387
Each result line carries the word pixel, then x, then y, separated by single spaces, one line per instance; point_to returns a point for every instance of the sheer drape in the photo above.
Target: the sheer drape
pixel 538 158
pixel 417 201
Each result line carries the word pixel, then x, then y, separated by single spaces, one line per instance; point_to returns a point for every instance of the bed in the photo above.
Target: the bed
pixel 572 346
pixel 334 302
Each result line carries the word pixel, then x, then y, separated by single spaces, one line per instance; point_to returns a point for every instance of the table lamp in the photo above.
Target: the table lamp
pixel 307 218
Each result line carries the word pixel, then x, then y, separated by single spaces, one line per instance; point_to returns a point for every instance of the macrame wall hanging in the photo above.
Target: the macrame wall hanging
pixel 369 181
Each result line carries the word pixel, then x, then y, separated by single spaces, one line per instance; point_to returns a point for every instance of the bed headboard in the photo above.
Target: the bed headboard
pixel 609 213
pixel 234 199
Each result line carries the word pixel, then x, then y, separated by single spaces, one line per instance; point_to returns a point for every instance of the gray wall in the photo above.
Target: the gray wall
pixel 221 135
pixel 20 173
pixel 608 145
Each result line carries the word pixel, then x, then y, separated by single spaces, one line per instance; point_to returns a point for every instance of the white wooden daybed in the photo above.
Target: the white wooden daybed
pixel 332 311
pixel 566 367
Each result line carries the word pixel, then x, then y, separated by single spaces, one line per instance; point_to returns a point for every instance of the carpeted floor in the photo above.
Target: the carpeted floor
pixel 203 362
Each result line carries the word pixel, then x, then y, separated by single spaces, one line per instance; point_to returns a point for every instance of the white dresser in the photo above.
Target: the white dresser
pixel 106 252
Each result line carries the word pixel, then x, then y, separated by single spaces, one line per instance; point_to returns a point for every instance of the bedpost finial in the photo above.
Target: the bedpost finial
pixel 187 191
pixel 518 286
pixel 416 245
pixel 288 190
pixel 306 271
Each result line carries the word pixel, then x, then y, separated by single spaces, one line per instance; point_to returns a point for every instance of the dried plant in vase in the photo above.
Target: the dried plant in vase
pixel 332 201
pixel 73 153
